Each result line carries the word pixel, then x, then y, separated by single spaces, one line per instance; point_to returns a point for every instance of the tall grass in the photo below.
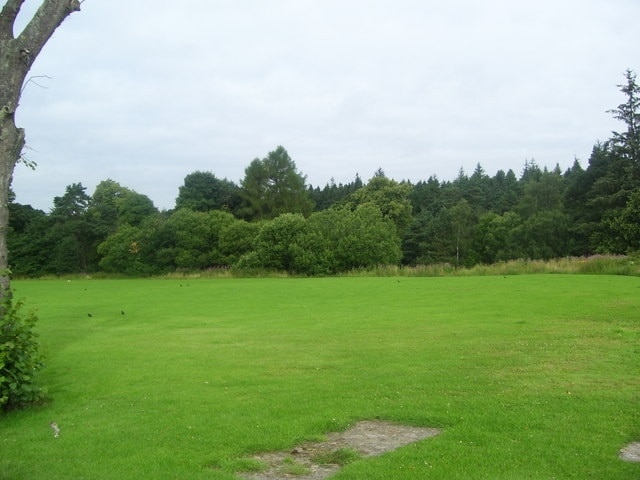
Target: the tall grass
pixel 596 264
pixel 529 376
pixel 628 265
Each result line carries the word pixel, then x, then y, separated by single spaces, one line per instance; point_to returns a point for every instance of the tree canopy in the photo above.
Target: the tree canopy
pixel 269 221
pixel 272 186
pixel 202 192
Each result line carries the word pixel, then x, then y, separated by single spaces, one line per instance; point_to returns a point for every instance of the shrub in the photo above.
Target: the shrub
pixel 19 357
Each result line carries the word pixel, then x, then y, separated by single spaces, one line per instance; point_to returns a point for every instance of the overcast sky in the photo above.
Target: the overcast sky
pixel 145 92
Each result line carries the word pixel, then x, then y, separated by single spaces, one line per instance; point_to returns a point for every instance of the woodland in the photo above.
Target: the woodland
pixel 274 221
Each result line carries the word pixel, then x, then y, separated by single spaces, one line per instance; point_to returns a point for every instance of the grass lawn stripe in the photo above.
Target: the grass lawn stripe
pixel 528 376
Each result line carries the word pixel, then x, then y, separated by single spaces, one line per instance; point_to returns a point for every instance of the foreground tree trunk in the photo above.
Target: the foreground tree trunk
pixel 17 54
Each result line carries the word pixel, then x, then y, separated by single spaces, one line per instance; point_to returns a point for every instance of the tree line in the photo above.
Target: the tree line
pixel 273 220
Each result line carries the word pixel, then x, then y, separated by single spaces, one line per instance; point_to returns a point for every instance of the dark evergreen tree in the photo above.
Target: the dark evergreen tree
pixel 530 172
pixel 541 193
pixel 626 225
pixel 71 238
pixel 333 194
pixel 581 219
pixel 273 186
pixel 543 235
pixel 614 169
pixel 429 239
pixel 28 228
pixel 504 192
pixel 478 191
pixel 202 192
pixel 426 196
pixel 627 143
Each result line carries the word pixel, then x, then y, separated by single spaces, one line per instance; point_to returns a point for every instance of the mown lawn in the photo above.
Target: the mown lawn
pixel 530 377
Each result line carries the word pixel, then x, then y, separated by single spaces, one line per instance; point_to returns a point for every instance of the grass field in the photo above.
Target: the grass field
pixel 530 377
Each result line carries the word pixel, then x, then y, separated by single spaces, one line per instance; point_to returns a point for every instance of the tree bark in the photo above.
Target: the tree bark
pixel 17 55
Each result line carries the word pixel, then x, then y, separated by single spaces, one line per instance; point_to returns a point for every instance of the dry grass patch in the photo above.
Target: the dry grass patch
pixel 319 460
pixel 631 453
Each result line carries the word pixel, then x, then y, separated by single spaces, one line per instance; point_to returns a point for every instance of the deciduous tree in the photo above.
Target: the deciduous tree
pixel 189 240
pixel 277 245
pixel 17 54
pixel 389 196
pixel 202 192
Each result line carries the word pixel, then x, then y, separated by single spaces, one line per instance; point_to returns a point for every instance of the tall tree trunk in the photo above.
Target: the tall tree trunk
pixel 17 54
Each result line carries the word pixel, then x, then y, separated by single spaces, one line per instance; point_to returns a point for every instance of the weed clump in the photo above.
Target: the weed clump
pixel 291 467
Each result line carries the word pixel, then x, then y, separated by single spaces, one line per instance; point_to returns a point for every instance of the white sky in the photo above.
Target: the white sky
pixel 145 92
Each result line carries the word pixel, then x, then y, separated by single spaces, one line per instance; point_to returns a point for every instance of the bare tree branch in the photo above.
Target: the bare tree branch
pixel 31 80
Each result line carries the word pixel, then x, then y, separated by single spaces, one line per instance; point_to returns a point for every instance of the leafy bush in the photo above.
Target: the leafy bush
pixel 19 357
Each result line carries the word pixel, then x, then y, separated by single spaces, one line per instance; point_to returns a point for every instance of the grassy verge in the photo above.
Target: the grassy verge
pixel 596 264
pixel 531 377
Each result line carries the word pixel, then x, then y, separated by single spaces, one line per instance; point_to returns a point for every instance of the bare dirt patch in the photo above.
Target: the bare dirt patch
pixel 631 453
pixel 367 438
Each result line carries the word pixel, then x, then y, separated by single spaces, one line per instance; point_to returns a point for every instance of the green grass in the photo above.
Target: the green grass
pixel 291 467
pixel 529 376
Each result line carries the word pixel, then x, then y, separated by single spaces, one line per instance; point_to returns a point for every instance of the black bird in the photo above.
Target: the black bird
pixel 89 315
pixel 121 312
